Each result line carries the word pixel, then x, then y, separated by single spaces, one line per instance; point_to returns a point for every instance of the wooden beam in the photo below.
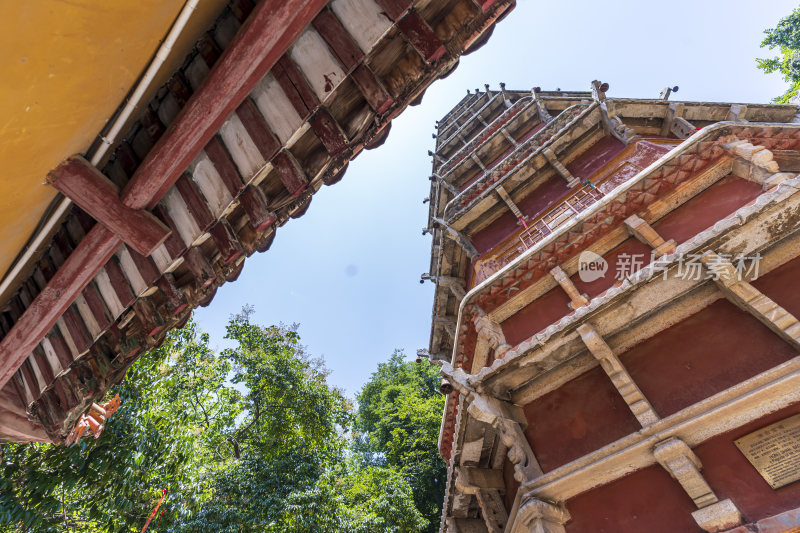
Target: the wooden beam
pixel 54 300
pixel 82 183
pixel 269 31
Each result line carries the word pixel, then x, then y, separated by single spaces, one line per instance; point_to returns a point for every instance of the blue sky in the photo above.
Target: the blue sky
pixel 348 271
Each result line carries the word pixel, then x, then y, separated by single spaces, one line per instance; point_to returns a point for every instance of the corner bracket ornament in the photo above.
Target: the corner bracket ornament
pixel 506 418
pixel 538 516
pixel 612 124
pixel 682 464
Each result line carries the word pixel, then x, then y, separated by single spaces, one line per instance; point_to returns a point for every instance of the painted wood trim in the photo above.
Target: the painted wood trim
pixel 82 183
pixel 76 272
pixel 340 42
pixel 290 173
pixel 421 37
pixel 258 129
pixel 269 31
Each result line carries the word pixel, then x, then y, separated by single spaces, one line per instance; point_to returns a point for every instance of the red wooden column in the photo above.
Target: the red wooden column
pixel 82 183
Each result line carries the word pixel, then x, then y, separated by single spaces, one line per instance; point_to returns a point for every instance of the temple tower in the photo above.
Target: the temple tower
pixel 617 282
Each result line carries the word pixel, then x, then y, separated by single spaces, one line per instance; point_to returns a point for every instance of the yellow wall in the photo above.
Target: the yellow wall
pixel 65 67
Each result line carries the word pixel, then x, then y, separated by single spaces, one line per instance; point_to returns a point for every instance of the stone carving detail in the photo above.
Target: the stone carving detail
pixel 681 462
pixel 645 233
pixel 751 300
pixel 490 331
pixel 485 485
pixel 560 168
pixel 506 418
pixel 576 298
pixel 611 123
pixel 612 366
pixel 537 516
pixel 756 164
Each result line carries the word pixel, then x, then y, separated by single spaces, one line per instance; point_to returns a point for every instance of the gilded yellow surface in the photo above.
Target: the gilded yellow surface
pixel 65 67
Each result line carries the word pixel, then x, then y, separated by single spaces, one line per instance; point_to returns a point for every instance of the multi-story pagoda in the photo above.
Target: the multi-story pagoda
pixel 617 282
pixel 243 110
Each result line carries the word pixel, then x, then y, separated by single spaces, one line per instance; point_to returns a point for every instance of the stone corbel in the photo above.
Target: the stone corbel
pixel 458 237
pixel 456 286
pixel 537 516
pixel 544 115
pixel 506 418
pixel 742 294
pixel 684 466
pixel 490 337
pixel 485 485
pixel 756 164
pixel 501 192
pixel 674 122
pixel 646 234
pixel 737 113
pixel 612 366
pixel 576 298
pixel 560 168
pixel 612 124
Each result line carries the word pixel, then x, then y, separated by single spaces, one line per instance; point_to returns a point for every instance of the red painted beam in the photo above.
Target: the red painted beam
pixel 421 36
pixel 82 183
pixel 77 271
pixel 266 36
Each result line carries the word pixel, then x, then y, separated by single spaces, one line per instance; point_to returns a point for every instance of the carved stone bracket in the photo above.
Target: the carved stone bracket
pixel 560 168
pixel 674 122
pixel 576 298
pixel 612 366
pixel 485 485
pixel 681 462
pixel 646 234
pixel 741 293
pixel 506 418
pixel 611 123
pixel 501 192
pixel 756 164
pixel 544 116
pixel 537 516
pixel 490 337
pixel 458 237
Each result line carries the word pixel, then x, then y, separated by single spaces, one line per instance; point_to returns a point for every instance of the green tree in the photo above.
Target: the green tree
pixel 785 36
pixel 399 414
pixel 249 440
pixel 112 483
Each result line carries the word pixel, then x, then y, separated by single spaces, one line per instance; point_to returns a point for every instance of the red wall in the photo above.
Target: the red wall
pixel 647 501
pixel 705 209
pixel 633 247
pixel 536 316
pixel 581 416
pixel 732 476
pixel 706 353
pixel 595 157
pixel 782 285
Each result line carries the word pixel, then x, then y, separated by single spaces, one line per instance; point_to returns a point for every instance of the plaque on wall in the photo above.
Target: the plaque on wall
pixel 774 451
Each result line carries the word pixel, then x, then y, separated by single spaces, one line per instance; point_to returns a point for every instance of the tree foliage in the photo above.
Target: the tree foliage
pixel 250 439
pixel 399 413
pixel 785 36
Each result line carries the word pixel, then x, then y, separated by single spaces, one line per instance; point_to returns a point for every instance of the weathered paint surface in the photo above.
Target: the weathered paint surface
pixel 728 346
pixel 648 500
pixel 579 417
pixel 732 476
pixel 54 108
